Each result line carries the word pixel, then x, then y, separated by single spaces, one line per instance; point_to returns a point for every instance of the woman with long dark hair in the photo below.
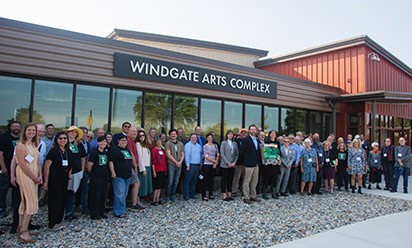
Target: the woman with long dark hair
pixel 144 164
pixel 211 155
pixel 56 175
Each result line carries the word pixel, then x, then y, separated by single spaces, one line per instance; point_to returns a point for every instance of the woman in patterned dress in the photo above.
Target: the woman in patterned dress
pixel 356 164
pixel 309 166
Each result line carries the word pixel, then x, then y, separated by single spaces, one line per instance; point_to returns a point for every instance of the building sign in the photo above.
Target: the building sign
pixel 142 68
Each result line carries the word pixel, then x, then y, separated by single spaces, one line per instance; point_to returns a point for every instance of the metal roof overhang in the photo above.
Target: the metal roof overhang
pixel 377 96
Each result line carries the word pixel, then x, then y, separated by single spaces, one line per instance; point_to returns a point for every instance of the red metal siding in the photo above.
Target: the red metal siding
pixel 344 69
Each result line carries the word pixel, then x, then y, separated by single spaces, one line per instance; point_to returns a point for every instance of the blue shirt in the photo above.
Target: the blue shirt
pixel 193 153
pixel 298 151
pixel 254 141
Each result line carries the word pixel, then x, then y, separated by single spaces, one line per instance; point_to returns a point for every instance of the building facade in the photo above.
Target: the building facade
pixel 48 75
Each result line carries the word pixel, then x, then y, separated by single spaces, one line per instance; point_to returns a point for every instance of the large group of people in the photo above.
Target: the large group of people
pixel 76 171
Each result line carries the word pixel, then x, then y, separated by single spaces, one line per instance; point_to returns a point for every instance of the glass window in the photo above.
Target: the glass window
pixel 287 121
pixel 92 107
pixel 185 113
pixel 301 118
pixel 398 122
pixel 127 106
pixel 233 116
pixel 315 122
pixel 368 119
pixel 210 117
pixel 253 115
pixel 377 120
pixel 383 120
pixel 271 118
pixel 53 101
pixel 327 125
pixel 407 123
pixel 354 119
pixel 15 101
pixel 158 108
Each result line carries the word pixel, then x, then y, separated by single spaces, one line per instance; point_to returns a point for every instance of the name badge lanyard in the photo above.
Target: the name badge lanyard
pixel 65 158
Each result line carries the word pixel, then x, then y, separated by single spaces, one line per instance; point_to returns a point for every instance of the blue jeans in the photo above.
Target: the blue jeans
pixel 84 187
pixel 189 186
pixel 120 189
pixel 70 203
pixel 401 171
pixel 174 175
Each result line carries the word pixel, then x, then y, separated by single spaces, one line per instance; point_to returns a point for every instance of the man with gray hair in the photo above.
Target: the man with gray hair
pixel 94 143
pixel 298 147
pixel 42 147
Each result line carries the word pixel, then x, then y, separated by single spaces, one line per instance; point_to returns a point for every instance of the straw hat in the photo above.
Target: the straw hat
pixel 78 131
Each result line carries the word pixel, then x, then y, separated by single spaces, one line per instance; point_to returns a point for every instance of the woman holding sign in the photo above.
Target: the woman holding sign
pixel 99 178
pixel 270 165
pixel 28 175
pixel 56 176
pixel 309 166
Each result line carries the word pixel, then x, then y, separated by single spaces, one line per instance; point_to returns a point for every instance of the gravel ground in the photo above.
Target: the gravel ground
pixel 216 223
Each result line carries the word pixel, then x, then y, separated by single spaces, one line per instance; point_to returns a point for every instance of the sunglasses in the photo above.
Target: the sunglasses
pixel 126 126
pixel 62 138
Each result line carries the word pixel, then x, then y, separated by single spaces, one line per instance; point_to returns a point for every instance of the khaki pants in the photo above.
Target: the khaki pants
pixel 250 182
pixel 239 169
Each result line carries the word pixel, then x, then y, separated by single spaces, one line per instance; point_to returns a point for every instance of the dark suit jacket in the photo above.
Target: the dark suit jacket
pixel 252 156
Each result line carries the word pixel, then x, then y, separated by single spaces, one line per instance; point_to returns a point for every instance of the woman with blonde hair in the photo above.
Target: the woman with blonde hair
pixel 28 175
pixel 356 164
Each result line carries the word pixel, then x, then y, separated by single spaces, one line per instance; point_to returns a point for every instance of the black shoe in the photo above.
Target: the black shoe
pixel 394 191
pixel 353 189
pixel 205 199
pixel 360 190
pixel 13 229
pixel 95 217
pixel 319 193
pixel 284 194
pixel 378 187
pixel 405 192
pixel 211 197
pixel 370 186
pixel 103 216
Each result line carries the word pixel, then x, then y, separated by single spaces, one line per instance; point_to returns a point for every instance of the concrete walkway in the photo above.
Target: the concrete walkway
pixel 389 231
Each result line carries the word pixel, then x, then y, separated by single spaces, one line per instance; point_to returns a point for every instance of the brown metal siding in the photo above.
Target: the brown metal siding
pixel 30 53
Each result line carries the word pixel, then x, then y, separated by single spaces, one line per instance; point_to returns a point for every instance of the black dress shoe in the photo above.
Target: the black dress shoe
pixel 103 216
pixel 95 217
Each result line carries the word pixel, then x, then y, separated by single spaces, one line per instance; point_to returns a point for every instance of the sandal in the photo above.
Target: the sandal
pixel 25 241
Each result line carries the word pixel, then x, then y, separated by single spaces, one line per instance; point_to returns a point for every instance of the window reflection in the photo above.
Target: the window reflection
pixel 210 117
pixel 185 113
pixel 127 106
pixel 287 121
pixel 271 118
pixel 92 104
pixel 315 122
pixel 301 117
pixel 253 115
pixel 53 101
pixel 157 112
pixel 233 117
pixel 15 101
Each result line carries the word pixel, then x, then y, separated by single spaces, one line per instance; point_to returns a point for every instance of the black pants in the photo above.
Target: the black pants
pixel 343 177
pixel 15 203
pixel 319 180
pixel 389 172
pixel 227 179
pixel 57 190
pixel 270 175
pixel 208 178
pixel 292 179
pixel 97 195
pixel 5 185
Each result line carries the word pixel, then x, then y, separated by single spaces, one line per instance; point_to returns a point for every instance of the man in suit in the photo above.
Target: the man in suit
pixel 252 160
pixel 287 159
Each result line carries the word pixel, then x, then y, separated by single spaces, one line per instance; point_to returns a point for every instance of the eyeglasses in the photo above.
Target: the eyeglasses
pixel 126 126
pixel 89 137
pixel 62 138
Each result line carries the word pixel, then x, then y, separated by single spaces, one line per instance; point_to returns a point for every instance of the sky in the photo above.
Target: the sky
pixel 278 26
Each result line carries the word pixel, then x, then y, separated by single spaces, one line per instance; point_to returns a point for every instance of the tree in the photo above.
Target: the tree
pixel 22 115
pixel 158 111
